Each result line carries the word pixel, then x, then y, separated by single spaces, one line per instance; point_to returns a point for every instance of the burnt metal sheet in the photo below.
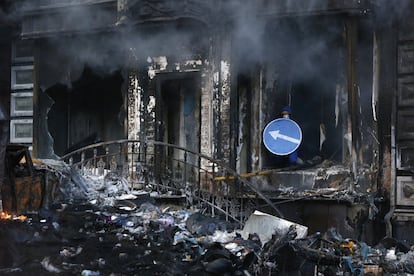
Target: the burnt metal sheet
pixel 27 194
pixel 22 187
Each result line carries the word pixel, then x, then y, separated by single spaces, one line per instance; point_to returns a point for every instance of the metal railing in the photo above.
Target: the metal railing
pixel 172 170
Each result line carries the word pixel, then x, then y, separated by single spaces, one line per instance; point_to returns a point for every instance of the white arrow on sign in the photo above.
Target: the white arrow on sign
pixel 276 134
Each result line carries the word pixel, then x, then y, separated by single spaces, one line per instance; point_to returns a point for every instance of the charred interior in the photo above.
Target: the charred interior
pixel 90 109
pixel 179 111
pixel 301 110
pixel 303 68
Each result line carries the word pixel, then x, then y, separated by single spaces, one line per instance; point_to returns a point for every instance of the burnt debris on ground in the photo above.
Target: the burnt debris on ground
pixel 91 226
pixel 85 239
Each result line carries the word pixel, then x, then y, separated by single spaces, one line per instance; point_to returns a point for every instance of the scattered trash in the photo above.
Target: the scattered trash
pixel 149 240
pixel 90 273
pixel 97 226
pixel 266 225
pixel 70 252
pixel 48 266
pixel 200 224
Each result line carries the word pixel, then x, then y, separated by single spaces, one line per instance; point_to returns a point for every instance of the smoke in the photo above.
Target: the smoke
pixel 100 52
pixel 295 35
pixel 299 45
pixel 388 12
pixel 8 12
pixel 259 33
pixel 304 28
pixel 2 15
pixel 299 6
pixel 248 31
pixel 306 48
pixel 88 34
pixel 109 52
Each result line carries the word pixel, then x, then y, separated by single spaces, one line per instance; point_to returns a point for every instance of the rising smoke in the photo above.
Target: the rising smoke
pixel 251 23
pixel 7 12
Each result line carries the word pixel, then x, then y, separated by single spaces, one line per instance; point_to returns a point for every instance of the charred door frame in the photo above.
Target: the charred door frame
pixel 159 114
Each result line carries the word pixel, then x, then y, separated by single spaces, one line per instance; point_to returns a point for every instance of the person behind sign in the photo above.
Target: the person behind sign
pixel 293 157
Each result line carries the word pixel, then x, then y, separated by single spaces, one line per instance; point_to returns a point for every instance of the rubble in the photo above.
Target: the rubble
pixel 266 226
pixel 101 240
pixel 98 226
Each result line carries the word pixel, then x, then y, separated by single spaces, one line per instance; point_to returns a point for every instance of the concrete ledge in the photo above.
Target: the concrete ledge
pixel 314 178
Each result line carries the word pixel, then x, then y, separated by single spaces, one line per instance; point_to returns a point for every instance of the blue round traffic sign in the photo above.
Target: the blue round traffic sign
pixel 282 136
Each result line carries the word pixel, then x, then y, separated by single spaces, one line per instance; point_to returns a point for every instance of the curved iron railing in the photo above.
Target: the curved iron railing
pixel 174 171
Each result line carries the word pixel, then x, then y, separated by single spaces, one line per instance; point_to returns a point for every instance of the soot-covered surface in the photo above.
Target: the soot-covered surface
pixel 89 240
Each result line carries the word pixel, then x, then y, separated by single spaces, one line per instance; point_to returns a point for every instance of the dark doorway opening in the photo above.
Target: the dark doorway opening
pixel 86 113
pixel 178 110
pixel 306 55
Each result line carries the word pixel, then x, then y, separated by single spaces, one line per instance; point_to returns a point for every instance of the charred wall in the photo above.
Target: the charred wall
pixel 5 67
pixel 326 68
pixel 333 63
pixel 387 37
pixel 8 29
pixel 402 121
pixel 351 220
pixel 5 63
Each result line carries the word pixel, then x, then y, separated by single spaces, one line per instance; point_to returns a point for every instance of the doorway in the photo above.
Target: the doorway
pixel 178 111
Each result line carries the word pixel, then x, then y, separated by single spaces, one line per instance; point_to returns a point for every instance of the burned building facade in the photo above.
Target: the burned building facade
pixel 209 77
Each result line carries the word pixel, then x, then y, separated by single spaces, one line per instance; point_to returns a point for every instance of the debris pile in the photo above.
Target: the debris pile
pixel 97 226
pixel 108 240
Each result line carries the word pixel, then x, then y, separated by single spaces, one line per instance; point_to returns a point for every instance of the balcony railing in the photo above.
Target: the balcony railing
pixel 173 171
